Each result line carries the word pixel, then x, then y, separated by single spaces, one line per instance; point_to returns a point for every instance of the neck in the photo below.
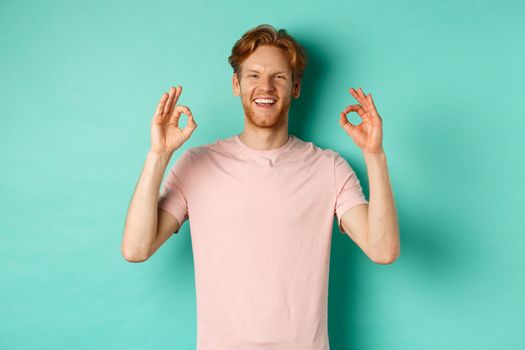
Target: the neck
pixel 264 139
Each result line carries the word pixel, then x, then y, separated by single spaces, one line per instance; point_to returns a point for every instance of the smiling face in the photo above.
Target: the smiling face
pixel 266 74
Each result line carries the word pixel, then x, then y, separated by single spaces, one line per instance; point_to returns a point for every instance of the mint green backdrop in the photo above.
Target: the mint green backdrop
pixel 79 84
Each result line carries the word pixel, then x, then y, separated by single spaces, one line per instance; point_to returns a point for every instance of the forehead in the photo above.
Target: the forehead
pixel 266 58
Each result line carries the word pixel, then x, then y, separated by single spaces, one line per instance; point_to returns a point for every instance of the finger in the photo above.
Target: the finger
pixel 175 116
pixel 362 95
pixel 363 113
pixel 168 105
pixel 371 102
pixel 178 91
pixel 354 108
pixel 170 98
pixel 343 121
pixel 190 126
pixel 357 97
pixel 160 106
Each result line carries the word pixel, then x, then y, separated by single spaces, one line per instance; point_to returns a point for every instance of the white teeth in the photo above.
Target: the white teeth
pixel 265 100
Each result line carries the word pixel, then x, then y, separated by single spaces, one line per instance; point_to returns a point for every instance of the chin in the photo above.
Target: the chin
pixel 266 121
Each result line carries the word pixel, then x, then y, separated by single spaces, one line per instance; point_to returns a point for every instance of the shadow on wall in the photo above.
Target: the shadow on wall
pixel 343 299
pixel 300 116
pixel 424 236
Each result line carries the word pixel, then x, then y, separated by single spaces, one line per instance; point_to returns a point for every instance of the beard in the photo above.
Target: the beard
pixel 270 119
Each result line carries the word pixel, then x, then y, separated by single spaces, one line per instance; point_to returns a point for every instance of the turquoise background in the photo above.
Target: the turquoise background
pixel 80 82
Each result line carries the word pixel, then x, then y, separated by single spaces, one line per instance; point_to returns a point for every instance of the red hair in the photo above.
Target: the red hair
pixel 266 34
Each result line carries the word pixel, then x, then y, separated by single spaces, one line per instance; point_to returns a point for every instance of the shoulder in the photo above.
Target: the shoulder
pixel 331 158
pixel 309 147
pixel 324 159
pixel 204 152
pixel 189 163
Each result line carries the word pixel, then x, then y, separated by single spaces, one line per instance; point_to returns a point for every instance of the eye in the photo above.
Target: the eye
pixel 252 75
pixel 281 77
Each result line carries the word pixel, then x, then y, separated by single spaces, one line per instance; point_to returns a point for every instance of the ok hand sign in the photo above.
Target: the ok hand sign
pixel 368 135
pixel 166 135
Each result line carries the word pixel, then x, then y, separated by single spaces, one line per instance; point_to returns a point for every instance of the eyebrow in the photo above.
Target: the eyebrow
pixel 256 71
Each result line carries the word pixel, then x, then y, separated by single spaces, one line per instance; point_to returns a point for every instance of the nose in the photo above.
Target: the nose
pixel 267 84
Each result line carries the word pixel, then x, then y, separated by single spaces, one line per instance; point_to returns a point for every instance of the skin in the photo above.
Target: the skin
pixel 374 226
pixel 147 227
pixel 166 135
pixel 265 73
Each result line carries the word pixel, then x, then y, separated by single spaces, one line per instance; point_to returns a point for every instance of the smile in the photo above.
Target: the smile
pixel 264 102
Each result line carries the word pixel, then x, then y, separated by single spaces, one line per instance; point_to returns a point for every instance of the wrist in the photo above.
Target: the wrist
pixel 159 156
pixel 374 155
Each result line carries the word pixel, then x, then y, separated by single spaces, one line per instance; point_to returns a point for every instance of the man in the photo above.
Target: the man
pixel 261 205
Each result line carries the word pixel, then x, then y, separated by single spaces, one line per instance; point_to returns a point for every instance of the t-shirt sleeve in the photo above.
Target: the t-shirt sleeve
pixel 349 192
pixel 172 196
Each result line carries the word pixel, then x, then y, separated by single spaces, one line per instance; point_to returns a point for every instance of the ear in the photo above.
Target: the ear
pixel 236 85
pixel 296 89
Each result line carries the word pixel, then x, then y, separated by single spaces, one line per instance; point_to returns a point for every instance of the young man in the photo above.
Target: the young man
pixel 261 205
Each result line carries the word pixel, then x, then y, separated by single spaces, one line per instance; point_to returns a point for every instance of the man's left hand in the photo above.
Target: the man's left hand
pixel 368 135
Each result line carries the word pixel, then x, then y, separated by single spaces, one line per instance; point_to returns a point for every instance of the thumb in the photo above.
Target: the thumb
pixel 345 124
pixel 190 126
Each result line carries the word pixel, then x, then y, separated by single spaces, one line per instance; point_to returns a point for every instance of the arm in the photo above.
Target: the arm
pixel 374 227
pixel 140 230
pixel 147 226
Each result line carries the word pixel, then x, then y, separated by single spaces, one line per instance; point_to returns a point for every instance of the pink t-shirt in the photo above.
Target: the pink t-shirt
pixel 261 224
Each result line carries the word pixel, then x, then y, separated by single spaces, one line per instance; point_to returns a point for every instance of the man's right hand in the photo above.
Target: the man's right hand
pixel 166 135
